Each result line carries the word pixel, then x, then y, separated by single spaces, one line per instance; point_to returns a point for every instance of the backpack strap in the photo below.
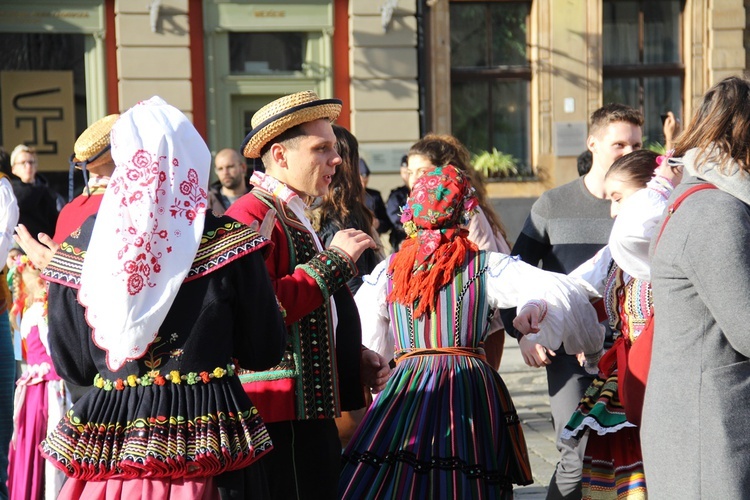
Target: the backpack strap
pixel 674 206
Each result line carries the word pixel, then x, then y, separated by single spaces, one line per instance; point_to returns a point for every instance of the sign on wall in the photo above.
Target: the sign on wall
pixel 570 138
pixel 38 110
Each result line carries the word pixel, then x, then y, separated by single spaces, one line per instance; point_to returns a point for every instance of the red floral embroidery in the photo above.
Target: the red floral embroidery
pixel 135 284
pixel 194 204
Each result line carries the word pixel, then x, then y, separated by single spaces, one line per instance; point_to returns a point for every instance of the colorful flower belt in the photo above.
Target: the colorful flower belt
pixel 155 378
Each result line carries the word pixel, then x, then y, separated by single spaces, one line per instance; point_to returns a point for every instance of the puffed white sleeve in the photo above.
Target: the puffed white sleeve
pixel 594 271
pixel 373 312
pixel 569 318
pixel 635 226
pixel 8 218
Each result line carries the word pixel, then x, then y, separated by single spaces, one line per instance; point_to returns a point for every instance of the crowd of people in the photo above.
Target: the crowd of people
pixel 254 338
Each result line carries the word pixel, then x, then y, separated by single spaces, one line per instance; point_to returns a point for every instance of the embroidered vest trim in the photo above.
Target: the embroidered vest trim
pixel 219 246
pixel 310 355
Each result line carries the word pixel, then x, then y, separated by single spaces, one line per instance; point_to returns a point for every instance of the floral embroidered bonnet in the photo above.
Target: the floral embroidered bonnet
pixel 147 231
pixel 435 218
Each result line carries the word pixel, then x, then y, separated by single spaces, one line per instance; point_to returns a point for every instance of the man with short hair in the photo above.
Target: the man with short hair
pixel 231 171
pixel 37 203
pixel 325 366
pixel 567 226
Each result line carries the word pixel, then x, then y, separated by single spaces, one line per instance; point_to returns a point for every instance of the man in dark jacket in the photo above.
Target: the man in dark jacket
pixel 231 170
pixel 374 200
pixel 36 201
pixel 396 200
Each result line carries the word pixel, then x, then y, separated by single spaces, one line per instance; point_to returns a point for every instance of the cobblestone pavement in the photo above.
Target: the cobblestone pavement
pixel 528 388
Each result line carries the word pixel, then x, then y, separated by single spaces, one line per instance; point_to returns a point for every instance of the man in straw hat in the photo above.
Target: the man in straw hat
pixel 325 366
pixel 91 154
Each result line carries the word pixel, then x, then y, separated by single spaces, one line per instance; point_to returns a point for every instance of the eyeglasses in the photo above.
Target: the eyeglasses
pixel 24 162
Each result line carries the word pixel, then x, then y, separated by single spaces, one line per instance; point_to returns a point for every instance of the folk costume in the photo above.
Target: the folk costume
pixel 567 226
pixel 8 220
pixel 91 151
pixel 445 425
pixel 41 398
pixel 613 463
pixel 166 293
pixel 319 375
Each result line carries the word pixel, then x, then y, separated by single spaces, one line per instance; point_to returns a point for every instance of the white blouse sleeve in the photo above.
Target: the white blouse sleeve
pixel 569 319
pixel 594 271
pixel 8 218
pixel 373 312
pixel 635 226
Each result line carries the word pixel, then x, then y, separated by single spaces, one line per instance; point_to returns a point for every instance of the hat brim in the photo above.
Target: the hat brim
pixel 283 121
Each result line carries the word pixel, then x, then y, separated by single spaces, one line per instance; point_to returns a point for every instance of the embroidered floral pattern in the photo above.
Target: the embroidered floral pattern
pixel 140 253
pixel 156 378
pixel 139 244
pixel 156 353
pixel 194 194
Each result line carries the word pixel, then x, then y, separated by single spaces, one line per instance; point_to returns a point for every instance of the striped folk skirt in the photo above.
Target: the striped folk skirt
pixel 444 427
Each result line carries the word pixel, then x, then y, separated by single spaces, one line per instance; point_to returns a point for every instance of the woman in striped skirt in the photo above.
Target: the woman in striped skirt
pixel 445 425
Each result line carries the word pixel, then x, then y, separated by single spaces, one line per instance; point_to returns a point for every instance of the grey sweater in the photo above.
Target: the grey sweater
pixel 566 227
pixel 694 433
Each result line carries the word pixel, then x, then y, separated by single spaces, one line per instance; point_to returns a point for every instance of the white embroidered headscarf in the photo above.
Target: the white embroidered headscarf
pixel 147 231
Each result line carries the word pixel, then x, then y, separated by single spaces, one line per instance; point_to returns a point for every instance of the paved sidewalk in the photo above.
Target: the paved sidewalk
pixel 528 388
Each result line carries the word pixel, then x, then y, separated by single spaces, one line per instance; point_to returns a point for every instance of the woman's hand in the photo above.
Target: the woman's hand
pixel 39 252
pixel 528 318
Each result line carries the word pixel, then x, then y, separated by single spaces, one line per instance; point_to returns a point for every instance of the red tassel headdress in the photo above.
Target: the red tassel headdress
pixel 435 219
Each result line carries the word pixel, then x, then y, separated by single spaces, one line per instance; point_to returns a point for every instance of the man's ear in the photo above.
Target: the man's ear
pixel 278 154
pixel 591 143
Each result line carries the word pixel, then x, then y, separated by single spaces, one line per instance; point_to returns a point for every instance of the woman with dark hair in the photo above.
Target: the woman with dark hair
pixel 638 186
pixel 445 426
pixel 485 229
pixel 344 206
pixel 695 440
pixel 434 150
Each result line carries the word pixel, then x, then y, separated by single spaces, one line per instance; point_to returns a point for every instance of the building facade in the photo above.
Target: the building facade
pixel 518 76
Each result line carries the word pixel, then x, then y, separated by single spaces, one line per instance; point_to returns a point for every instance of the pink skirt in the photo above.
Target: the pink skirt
pixel 166 489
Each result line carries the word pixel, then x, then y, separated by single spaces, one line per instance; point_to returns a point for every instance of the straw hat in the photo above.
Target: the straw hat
pixel 94 139
pixel 274 118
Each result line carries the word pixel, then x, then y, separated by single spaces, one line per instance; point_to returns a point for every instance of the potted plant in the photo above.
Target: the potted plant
pixel 495 164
